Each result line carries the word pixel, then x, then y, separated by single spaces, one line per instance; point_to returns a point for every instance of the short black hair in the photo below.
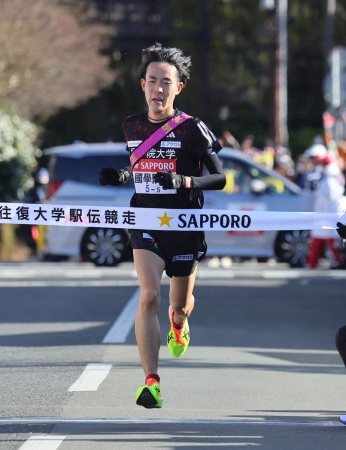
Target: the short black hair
pixel 171 55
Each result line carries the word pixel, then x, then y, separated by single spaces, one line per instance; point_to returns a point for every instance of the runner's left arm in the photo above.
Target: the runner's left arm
pixel 216 179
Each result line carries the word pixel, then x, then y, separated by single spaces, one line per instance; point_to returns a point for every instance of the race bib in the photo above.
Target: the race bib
pixel 143 173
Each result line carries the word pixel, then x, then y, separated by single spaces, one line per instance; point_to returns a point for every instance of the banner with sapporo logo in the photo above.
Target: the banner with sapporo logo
pixel 164 219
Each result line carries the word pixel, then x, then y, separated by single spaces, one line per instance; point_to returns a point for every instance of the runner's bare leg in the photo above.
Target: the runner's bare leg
pixel 181 297
pixel 149 268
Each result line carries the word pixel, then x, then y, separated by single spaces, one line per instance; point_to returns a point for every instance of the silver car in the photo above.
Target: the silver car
pixel 74 173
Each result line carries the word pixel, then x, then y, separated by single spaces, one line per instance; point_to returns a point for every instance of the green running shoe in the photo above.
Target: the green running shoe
pixel 177 340
pixel 149 396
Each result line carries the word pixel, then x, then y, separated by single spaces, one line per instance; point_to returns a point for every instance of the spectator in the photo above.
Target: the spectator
pixel 283 162
pixel 342 153
pixel 33 235
pixel 303 167
pixel 246 145
pixel 228 140
pixel 264 153
pixel 328 191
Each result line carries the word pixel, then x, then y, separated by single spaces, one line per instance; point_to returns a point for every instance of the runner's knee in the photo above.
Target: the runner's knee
pixel 150 299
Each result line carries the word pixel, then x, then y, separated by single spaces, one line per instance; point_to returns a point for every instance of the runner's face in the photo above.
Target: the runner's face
pixel 161 85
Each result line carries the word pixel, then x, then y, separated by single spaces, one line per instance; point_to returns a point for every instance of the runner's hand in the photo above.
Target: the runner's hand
pixel 341 230
pixel 110 176
pixel 169 180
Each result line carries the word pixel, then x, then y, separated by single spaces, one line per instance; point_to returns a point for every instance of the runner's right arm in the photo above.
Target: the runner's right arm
pixel 112 177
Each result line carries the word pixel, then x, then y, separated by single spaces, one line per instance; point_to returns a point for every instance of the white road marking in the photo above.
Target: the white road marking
pixel 251 421
pixel 124 323
pixel 79 277
pixel 285 274
pixel 14 329
pixel 91 378
pixel 49 442
pixel 67 283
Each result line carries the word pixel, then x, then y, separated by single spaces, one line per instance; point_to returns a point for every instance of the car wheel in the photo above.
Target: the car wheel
pixel 104 246
pixel 292 247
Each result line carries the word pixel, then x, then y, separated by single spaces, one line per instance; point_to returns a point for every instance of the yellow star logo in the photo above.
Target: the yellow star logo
pixel 165 220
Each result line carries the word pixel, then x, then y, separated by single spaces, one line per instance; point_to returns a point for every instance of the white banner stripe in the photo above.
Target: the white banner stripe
pixel 164 219
pixel 119 331
pixel 49 442
pixel 91 378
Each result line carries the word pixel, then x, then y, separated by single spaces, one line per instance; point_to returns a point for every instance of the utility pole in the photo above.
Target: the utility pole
pixel 330 13
pixel 334 119
pixel 278 123
pixel 280 116
pixel 337 89
pixel 204 57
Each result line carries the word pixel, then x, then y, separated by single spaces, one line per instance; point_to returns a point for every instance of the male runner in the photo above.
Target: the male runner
pixel 185 151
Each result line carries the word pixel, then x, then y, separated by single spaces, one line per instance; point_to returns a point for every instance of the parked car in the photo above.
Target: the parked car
pixel 250 186
pixel 74 179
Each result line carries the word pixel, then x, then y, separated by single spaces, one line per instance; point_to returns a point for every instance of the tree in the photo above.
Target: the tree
pixel 238 63
pixel 230 62
pixel 232 47
pixel 18 154
pixel 48 60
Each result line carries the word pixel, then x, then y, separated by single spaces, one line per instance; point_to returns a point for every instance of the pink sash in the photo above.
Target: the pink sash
pixel 145 146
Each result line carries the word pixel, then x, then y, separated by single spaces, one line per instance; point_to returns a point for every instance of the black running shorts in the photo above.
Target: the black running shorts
pixel 180 250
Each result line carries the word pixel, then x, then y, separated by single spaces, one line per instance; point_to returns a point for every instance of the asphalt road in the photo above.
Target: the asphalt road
pixel 261 371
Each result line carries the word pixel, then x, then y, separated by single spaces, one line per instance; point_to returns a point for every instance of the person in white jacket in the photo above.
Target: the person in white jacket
pixel 328 193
